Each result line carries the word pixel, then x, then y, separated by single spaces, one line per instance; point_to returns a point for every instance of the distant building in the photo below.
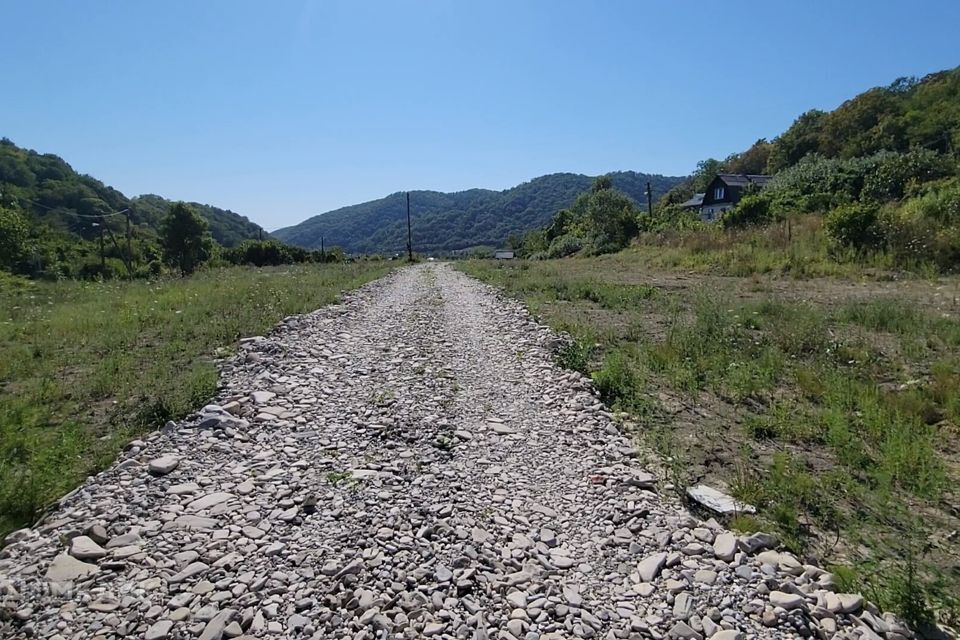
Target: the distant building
pixel 503 254
pixel 725 191
pixel 694 203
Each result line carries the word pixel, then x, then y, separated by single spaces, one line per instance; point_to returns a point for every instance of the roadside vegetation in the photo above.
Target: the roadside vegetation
pixel 86 367
pixel 833 404
pixel 873 185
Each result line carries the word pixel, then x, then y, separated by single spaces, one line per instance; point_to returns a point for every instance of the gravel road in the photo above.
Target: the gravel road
pixel 409 463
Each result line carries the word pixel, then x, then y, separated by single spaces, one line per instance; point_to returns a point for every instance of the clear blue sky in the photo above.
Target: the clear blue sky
pixel 283 109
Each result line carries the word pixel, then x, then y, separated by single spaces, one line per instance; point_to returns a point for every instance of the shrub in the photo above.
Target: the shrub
pixel 940 202
pixel 752 210
pixel 564 245
pixel 616 380
pixel 92 269
pixel 14 237
pixel 894 173
pixel 855 226
pixel 671 217
pixel 819 184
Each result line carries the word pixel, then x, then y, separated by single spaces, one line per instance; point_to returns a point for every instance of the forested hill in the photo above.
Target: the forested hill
pixel 451 221
pixel 47 188
pixel 909 114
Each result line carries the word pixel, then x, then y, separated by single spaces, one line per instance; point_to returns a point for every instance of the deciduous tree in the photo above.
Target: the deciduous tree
pixel 185 237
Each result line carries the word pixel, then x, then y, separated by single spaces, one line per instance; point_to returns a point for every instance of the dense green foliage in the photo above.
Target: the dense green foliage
pixel 882 171
pixel 51 219
pixel 601 220
pixel 273 252
pixel 901 204
pixel 64 213
pixel 226 227
pixel 908 114
pixel 13 238
pixel 445 222
pixel 185 238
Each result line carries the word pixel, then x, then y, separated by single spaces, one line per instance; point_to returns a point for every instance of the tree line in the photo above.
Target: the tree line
pixel 183 244
pixel 56 223
pixel 451 222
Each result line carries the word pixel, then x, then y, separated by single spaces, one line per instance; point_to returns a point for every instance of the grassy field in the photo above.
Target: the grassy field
pixel 830 403
pixel 798 247
pixel 85 366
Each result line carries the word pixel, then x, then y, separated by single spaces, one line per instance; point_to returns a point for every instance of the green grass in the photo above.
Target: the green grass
pixel 87 366
pixel 798 247
pixel 838 419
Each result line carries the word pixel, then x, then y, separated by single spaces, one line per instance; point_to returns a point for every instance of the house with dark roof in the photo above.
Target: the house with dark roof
pixel 725 191
pixel 694 203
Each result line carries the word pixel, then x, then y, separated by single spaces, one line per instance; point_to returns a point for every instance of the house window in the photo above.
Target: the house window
pixel 718 193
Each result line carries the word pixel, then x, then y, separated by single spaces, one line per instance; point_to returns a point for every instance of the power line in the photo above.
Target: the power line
pixel 97 216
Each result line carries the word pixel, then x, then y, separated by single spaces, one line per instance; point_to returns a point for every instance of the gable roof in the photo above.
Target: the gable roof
pixel 695 201
pixel 743 179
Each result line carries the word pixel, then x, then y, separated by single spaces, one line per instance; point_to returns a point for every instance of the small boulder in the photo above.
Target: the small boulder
pixel 788 601
pixel 66 568
pixel 164 464
pixel 649 568
pixel 84 548
pixel 717 501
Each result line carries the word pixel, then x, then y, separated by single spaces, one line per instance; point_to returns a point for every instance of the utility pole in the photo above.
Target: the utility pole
pixel 649 201
pixel 116 245
pixel 409 234
pixel 129 242
pixel 260 231
pixel 323 254
pixel 103 256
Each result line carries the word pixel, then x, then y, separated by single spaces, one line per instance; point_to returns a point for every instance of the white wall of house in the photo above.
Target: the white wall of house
pixel 711 212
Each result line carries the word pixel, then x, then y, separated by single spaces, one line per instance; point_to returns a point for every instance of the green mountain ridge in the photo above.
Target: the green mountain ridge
pixel 54 195
pixel 443 222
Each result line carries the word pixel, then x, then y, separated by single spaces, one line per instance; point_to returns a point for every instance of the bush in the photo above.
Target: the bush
pixel 93 270
pixel 616 380
pixel 819 184
pixel 260 254
pixel 856 226
pixel 940 202
pixel 14 236
pixel 564 246
pixel 671 217
pixel 752 210
pixel 894 173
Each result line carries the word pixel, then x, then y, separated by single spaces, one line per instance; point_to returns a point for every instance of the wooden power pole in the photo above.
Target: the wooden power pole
pixel 409 233
pixel 103 256
pixel 649 201
pixel 129 242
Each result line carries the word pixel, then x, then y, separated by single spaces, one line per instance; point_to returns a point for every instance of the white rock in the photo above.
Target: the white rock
pixel 164 464
pixel 718 501
pixel 262 397
pixel 725 546
pixel 786 601
pixel 649 568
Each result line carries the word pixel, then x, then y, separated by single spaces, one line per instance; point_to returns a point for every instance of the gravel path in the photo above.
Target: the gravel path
pixel 407 464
